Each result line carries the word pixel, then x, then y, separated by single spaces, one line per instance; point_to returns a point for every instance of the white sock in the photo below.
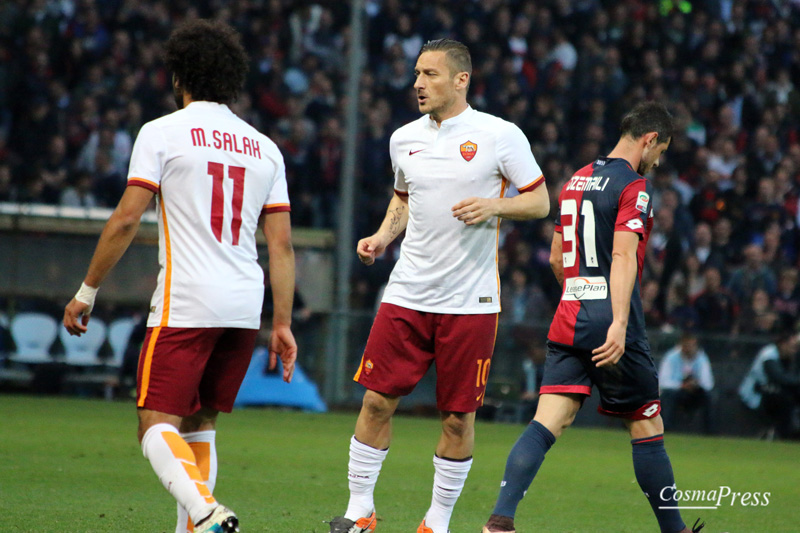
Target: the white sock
pixel 174 463
pixel 448 482
pixel 203 445
pixel 363 470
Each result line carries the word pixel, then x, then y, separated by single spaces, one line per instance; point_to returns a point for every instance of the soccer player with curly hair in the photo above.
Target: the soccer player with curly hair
pixel 216 180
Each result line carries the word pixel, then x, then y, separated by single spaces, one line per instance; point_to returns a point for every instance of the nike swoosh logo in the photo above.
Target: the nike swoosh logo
pixel 414 152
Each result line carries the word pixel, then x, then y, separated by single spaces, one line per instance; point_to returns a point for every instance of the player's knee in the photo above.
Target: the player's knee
pixel 203 420
pixel 569 418
pixel 556 423
pixel 457 425
pixel 378 406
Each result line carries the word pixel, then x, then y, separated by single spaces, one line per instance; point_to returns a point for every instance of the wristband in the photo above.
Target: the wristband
pixel 86 295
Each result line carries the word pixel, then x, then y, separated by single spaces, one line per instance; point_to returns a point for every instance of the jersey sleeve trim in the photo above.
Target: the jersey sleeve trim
pixel 276 208
pixel 141 182
pixel 401 193
pixel 532 185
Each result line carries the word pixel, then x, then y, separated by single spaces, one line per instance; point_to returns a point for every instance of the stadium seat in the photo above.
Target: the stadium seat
pixel 83 350
pixel 33 334
pixel 119 333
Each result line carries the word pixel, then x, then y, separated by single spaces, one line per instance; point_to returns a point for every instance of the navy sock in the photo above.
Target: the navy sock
pixel 523 462
pixel 654 472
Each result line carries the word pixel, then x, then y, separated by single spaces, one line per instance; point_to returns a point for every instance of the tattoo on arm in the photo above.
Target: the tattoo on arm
pixel 394 223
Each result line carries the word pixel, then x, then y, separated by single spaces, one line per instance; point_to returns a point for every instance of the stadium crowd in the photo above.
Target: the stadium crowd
pixel 78 78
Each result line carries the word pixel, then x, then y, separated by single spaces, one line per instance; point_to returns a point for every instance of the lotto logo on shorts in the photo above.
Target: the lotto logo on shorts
pixel 468 150
pixel 368 367
pixel 651 410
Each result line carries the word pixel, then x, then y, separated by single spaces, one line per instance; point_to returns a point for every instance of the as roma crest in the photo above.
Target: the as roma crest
pixel 468 150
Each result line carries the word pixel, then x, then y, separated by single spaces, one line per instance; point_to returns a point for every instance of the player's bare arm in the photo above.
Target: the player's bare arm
pixel 115 239
pixel 557 258
pixel 278 232
pixel 624 269
pixel 525 206
pixel 395 222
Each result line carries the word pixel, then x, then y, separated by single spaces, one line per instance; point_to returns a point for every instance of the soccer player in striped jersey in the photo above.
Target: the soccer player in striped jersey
pixel 215 180
pixel 597 336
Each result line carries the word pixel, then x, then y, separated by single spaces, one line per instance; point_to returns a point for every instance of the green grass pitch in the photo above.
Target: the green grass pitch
pixel 74 465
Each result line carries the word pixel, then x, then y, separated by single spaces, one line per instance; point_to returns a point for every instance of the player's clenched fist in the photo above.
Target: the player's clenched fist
pixel 370 248
pixel 76 318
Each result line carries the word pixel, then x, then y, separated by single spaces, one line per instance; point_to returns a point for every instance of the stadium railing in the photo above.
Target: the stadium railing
pixel 46 250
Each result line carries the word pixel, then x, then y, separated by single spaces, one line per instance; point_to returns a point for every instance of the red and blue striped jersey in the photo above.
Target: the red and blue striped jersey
pixel 602 198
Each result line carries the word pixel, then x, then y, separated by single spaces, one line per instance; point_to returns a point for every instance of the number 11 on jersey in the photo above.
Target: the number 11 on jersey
pixel 569 222
pixel 217 172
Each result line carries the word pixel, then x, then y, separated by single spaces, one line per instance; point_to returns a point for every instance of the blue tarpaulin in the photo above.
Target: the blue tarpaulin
pixel 260 388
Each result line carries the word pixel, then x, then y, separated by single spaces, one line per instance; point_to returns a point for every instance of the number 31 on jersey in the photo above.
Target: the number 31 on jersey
pixel 569 224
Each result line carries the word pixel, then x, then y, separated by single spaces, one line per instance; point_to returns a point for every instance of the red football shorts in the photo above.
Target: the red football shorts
pixel 183 369
pixel 403 343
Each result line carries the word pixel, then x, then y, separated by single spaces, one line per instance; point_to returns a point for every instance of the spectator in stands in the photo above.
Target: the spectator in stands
pixel 690 276
pixel 738 197
pixel 653 316
pixel 79 192
pixel 716 307
pixel 776 254
pixel 706 202
pixel 524 302
pixel 787 298
pixel 686 381
pixel 724 159
pixel 702 245
pixel 725 251
pixel 54 169
pixel 753 274
pixel 680 313
pixel 75 69
pixel 766 153
pixel 772 386
pixel 671 198
pixel 765 209
pixel 107 184
pixel 758 316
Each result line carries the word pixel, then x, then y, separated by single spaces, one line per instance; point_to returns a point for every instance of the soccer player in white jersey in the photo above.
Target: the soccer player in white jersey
pixel 215 180
pixel 452 169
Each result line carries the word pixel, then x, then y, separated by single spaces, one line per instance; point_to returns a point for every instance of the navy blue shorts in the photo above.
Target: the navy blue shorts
pixel 628 389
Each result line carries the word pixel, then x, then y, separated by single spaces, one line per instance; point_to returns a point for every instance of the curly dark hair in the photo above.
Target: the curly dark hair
pixel 208 59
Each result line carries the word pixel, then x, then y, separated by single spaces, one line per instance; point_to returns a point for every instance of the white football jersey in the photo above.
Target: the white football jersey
pixel 446 266
pixel 213 174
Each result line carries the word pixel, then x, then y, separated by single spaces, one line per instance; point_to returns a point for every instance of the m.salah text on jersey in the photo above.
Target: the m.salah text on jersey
pixel 228 142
